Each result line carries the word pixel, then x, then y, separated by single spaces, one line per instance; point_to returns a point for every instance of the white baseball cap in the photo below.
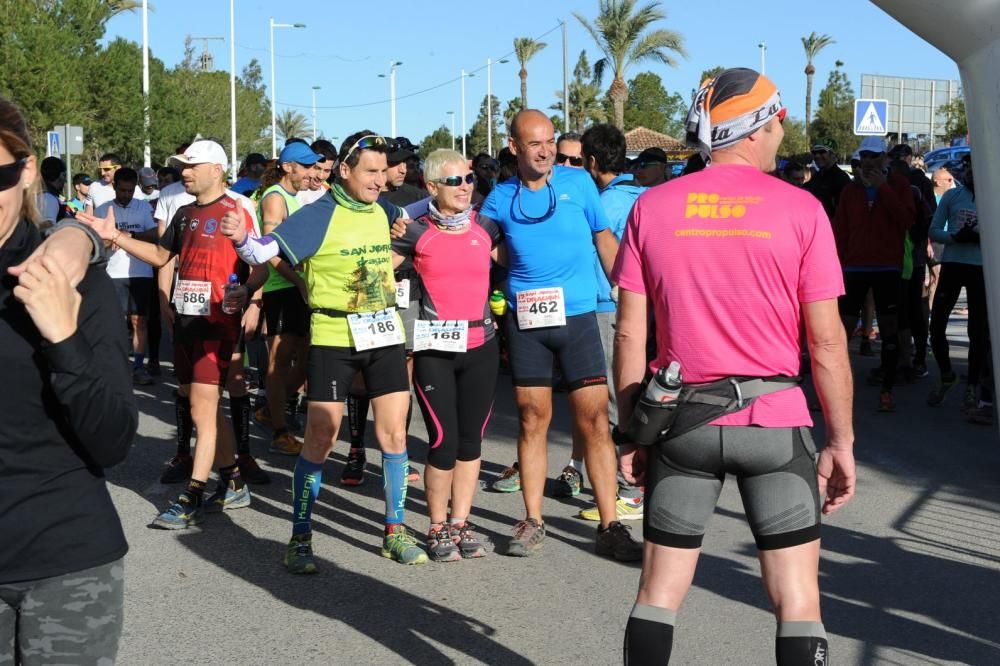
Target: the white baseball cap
pixel 872 144
pixel 201 152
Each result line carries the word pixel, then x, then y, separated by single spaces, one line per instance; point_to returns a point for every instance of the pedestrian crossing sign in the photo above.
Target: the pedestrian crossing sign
pixel 871 117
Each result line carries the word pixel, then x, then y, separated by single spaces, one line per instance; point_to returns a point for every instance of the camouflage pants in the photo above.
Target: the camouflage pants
pixel 71 619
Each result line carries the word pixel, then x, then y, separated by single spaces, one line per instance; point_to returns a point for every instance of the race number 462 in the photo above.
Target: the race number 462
pixel 541 308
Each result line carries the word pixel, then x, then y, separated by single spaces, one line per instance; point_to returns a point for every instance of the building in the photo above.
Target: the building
pixel 641 138
pixel 914 104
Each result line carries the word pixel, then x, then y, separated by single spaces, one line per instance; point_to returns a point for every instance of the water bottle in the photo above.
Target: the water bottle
pixel 229 303
pixel 653 413
pixel 498 303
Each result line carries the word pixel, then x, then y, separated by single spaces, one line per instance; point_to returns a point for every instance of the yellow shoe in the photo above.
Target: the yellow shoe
pixel 286 444
pixel 625 509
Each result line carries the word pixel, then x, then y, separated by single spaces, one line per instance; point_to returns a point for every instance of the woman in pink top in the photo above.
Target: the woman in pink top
pixel 455 349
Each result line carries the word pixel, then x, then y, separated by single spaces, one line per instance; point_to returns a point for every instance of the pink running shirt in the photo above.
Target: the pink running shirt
pixel 727 256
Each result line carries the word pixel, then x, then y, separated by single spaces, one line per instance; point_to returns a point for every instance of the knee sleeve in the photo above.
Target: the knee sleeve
pixel 801 644
pixel 649 636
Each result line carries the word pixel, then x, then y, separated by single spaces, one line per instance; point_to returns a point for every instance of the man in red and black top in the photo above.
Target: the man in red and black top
pixel 873 216
pixel 205 334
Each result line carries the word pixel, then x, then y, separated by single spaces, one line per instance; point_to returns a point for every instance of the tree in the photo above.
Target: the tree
pixel 621 31
pixel 525 48
pixel 957 125
pixel 835 115
pixel 439 138
pixel 513 107
pixel 650 106
pixel 476 139
pixel 585 105
pixel 290 124
pixel 795 143
pixel 711 73
pixel 812 44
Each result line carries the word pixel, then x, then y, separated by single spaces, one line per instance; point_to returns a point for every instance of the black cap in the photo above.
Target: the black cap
pixel 52 167
pixel 652 155
pixel 901 150
pixel 254 158
pixel 401 149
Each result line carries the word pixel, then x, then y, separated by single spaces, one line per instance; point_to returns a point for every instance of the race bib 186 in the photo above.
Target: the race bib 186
pixel 541 308
pixel 447 336
pixel 192 297
pixel 372 330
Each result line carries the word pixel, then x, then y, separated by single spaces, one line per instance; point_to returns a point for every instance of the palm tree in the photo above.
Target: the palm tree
pixel 812 44
pixel 290 123
pixel 585 106
pixel 122 6
pixel 620 31
pixel 525 48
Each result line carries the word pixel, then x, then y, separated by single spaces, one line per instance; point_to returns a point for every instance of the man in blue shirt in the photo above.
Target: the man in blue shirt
pixel 552 217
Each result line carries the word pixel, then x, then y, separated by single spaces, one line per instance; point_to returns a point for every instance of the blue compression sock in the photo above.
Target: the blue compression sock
pixel 395 467
pixel 305 490
pixel 137 361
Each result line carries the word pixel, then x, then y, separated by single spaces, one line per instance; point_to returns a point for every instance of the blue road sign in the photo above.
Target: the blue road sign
pixel 871 117
pixel 54 148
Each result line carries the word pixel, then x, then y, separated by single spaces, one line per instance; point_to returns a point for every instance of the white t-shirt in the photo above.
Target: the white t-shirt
pixel 173 196
pixel 307 197
pixel 136 218
pixel 101 193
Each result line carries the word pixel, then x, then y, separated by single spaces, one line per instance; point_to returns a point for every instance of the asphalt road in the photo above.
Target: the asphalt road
pixel 910 571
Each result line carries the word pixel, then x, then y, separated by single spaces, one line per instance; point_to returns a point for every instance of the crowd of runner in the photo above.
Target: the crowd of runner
pixel 361 278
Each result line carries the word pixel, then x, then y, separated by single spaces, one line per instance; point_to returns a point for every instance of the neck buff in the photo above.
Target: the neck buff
pixel 344 199
pixel 729 108
pixel 456 221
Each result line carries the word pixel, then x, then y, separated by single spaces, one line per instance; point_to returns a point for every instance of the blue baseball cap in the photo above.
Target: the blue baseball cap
pixel 300 153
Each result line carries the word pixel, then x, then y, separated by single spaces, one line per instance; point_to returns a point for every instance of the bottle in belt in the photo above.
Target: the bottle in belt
pixel 228 306
pixel 652 415
pixel 498 303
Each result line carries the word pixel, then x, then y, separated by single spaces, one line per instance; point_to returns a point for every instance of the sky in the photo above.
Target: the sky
pixel 346 45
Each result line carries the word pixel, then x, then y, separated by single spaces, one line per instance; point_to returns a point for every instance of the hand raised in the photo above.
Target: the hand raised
pixel 232 228
pixel 51 301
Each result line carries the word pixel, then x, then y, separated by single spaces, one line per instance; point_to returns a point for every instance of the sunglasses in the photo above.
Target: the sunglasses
pixel 573 160
pixel 10 174
pixel 111 168
pixel 868 154
pixel 492 166
pixel 456 181
pixel 367 143
pixel 645 165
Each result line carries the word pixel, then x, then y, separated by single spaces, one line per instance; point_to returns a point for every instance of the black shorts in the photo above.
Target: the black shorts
pixel 774 467
pixel 577 346
pixel 135 294
pixel 286 313
pixel 332 370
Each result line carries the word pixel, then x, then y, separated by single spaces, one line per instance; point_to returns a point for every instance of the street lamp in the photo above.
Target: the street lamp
pixel 463 110
pixel 274 91
pixel 393 64
pixel 452 114
pixel 763 62
pixel 146 153
pixel 314 89
pixel 489 102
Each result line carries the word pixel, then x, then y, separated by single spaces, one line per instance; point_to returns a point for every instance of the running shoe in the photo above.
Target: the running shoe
pixel 616 541
pixel 569 483
pixel 178 469
pixel 526 538
pixel 981 415
pixel 299 555
pixel 866 347
pixel 141 377
pixel 626 508
pixel 402 547
pixel 939 392
pixel 886 403
pixel 920 369
pixel 509 481
pixel 153 366
pixel 180 515
pixel 263 416
pixel 470 545
pixel 970 400
pixel 441 546
pixel 286 444
pixel 225 498
pixel 353 473
pixel 251 471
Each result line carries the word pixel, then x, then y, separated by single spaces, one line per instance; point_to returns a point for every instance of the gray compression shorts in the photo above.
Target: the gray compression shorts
pixel 774 467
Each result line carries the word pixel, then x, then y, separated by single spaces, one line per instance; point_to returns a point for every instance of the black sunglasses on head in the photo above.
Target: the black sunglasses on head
pixel 868 154
pixel 10 174
pixel 455 181
pixel 572 159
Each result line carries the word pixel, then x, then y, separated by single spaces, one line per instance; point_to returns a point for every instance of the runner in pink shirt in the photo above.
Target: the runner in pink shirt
pixel 732 261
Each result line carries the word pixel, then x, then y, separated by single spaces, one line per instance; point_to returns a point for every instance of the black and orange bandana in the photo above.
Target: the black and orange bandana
pixel 729 108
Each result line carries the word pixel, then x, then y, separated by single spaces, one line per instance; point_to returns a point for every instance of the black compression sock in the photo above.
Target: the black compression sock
pixel 409 413
pixel 195 492
pixel 292 404
pixel 801 644
pixel 357 418
pixel 649 636
pixel 231 475
pixel 182 417
pixel 239 412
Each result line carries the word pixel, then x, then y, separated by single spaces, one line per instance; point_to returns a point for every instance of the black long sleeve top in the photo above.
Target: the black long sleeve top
pixel 69 412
